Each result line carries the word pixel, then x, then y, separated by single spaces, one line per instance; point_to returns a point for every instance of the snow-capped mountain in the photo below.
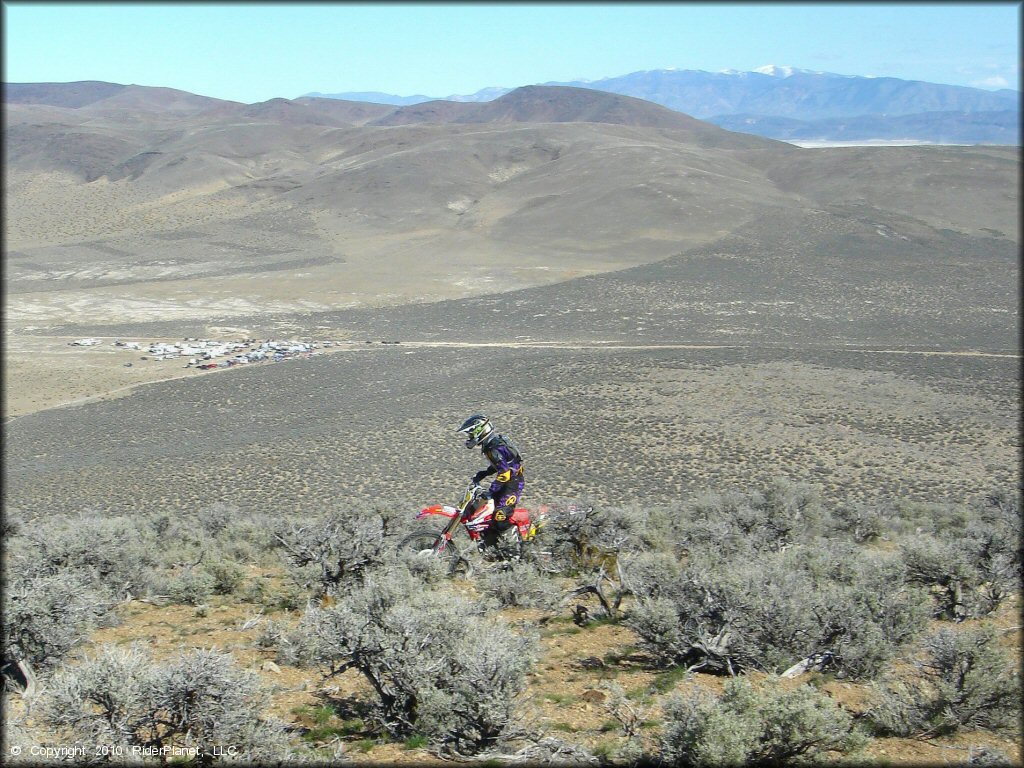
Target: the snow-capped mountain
pixel 773 70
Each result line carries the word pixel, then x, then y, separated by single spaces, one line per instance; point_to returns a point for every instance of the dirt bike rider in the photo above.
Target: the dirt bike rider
pixel 507 466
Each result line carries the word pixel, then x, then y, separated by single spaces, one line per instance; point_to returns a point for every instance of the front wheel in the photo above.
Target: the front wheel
pixel 427 544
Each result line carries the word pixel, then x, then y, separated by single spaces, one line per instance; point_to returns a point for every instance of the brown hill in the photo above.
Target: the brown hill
pixel 287 112
pixel 100 98
pixel 581 170
pixel 538 104
pixel 294 112
pixel 555 104
pixel 140 98
pixel 83 152
pixel 71 95
pixel 552 104
pixel 438 111
pixel 350 112
pixel 961 187
pixel 37 113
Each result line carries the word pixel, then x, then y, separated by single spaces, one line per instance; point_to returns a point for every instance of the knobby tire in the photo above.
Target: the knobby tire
pixel 425 543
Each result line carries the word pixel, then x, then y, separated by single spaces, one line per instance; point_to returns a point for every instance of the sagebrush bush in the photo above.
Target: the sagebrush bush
pixel 300 646
pixel 943 519
pixel 12 522
pixel 1002 509
pixel 969 554
pixel 122 699
pixel 227 576
pixel 270 635
pixel 217 533
pixel 733 522
pixel 964 680
pixel 438 667
pixel 862 523
pixel 869 609
pixel 107 552
pixel 46 615
pixel 218 517
pixel 755 726
pixel 941 564
pixel 987 756
pixel 726 582
pixel 652 575
pixel 190 587
pixel 69 571
pixel 239 535
pixel 878 612
pixel 971 574
pixel 335 551
pixel 722 519
pixel 520 585
pixel 768 610
pixel 994 541
pixel 631 717
pixel 581 538
pixel 429 570
pixel 792 511
pixel 15 735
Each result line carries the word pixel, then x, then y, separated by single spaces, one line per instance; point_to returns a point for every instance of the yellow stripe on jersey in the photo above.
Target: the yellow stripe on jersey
pixel 504 477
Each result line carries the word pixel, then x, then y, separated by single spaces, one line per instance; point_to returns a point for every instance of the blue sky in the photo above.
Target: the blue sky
pixel 253 52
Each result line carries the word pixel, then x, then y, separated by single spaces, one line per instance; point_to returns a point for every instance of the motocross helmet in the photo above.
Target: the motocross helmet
pixel 477 429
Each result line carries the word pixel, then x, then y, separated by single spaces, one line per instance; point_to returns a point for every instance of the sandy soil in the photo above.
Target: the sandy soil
pixel 44 372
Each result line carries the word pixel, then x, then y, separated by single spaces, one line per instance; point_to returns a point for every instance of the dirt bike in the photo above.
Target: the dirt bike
pixel 508 548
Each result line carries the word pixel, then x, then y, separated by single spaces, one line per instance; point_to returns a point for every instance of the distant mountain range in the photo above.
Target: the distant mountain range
pixel 800 105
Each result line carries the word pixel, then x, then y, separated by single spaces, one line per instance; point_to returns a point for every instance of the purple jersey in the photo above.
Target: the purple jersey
pixel 507 467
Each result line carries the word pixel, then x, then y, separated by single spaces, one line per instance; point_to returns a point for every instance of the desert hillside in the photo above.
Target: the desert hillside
pixel 314 204
pixel 769 395
pixel 607 227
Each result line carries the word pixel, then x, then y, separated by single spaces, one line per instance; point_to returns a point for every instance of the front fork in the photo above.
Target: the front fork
pixel 446 533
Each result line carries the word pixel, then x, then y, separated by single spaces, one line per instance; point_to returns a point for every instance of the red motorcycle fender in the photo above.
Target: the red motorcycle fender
pixel 438 509
pixel 521 518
